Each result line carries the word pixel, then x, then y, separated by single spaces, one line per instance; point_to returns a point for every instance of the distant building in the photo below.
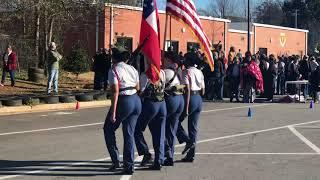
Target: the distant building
pixel 124 28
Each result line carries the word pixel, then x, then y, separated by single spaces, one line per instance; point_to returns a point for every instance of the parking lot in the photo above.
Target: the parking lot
pixel 280 141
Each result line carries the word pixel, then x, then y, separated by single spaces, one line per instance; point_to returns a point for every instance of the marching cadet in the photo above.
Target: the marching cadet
pixel 195 87
pixel 125 109
pixel 153 114
pixel 175 104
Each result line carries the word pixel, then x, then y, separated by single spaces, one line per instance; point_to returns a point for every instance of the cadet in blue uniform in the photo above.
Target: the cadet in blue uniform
pixel 125 109
pixel 194 81
pixel 175 104
pixel 153 114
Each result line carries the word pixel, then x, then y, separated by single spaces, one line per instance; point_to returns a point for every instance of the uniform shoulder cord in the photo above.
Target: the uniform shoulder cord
pixel 117 76
pixel 189 78
pixel 172 79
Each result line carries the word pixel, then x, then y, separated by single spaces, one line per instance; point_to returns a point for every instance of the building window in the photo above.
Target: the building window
pixel 125 42
pixel 263 51
pixel 174 45
pixel 193 45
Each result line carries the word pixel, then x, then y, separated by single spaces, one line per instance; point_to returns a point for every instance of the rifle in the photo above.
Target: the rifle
pixel 136 52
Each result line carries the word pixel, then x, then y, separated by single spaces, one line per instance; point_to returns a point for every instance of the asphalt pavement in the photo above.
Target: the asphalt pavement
pixel 280 141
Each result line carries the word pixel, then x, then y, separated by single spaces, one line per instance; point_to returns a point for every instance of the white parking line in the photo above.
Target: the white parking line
pixel 51 129
pixel 62 113
pixel 304 139
pixel 255 132
pixel 94 124
pixel 302 154
pixel 308 127
pixel 128 177
pixel 232 108
pixel 237 135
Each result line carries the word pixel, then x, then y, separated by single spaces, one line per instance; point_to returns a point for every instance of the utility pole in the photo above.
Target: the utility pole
pixel 249 23
pixel 296 19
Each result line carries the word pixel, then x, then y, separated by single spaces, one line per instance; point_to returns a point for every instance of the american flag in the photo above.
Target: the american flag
pixel 150 37
pixel 186 11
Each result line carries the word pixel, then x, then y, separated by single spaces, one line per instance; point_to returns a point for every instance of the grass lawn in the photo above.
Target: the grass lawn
pixel 67 82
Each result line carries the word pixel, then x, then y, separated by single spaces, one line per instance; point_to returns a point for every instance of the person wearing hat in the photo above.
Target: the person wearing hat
pixel 125 109
pixel 174 102
pixel 9 65
pixel 193 80
pixel 154 113
pixel 53 67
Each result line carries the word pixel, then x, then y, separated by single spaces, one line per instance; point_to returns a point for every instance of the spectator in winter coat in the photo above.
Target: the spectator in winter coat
pixel 314 83
pixel 281 77
pixel 313 64
pixel 271 75
pixel 293 74
pixel 53 67
pixel 233 74
pixel 9 65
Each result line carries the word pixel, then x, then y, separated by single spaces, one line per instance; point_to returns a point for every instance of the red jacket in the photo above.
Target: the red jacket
pixel 12 62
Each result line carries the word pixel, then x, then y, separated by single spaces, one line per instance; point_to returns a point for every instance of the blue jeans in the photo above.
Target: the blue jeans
pixel 12 74
pixel 53 77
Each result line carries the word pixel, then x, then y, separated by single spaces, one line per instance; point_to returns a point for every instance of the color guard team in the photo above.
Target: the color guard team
pixel 163 106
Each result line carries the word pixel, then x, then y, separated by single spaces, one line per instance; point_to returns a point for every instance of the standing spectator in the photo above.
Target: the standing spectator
pixel 264 66
pixel 232 54
pixel 314 83
pixel 304 70
pixel 281 77
pixel 211 78
pixel 220 82
pixel 99 68
pixel 239 54
pixel 53 66
pixel 251 79
pixel 233 74
pixel 9 65
pixel 107 67
pixel 313 64
pixel 293 74
pixel 271 76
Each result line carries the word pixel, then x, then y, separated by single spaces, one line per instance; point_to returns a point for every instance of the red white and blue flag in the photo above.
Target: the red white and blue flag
pixel 185 11
pixel 150 35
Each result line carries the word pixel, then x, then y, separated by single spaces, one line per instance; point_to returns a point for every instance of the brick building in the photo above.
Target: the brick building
pixel 121 24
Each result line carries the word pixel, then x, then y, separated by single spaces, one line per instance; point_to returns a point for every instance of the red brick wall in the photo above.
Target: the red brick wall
pixel 127 23
pixel 270 38
pixel 240 41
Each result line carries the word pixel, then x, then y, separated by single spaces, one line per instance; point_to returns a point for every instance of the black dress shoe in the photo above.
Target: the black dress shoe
pixel 114 167
pixel 187 159
pixel 157 167
pixel 146 159
pixel 168 162
pixel 127 172
pixel 187 148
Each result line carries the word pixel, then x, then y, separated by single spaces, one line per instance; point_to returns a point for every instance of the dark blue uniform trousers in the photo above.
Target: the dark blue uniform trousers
pixel 195 107
pixel 175 105
pixel 128 111
pixel 153 115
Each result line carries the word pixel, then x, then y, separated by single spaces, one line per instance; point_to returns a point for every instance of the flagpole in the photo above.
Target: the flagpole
pixel 170 33
pixel 165 33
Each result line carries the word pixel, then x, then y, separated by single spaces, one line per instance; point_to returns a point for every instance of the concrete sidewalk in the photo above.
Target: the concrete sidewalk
pixel 52 107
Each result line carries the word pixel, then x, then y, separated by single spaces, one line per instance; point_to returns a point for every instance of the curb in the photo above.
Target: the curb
pixel 51 107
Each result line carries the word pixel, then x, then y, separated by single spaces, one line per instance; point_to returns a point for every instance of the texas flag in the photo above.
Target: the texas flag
pixel 150 37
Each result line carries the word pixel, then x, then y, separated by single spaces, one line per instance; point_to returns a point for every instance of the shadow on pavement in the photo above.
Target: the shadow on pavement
pixel 57 168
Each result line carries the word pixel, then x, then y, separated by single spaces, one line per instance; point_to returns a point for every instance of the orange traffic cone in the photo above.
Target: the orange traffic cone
pixel 77 105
